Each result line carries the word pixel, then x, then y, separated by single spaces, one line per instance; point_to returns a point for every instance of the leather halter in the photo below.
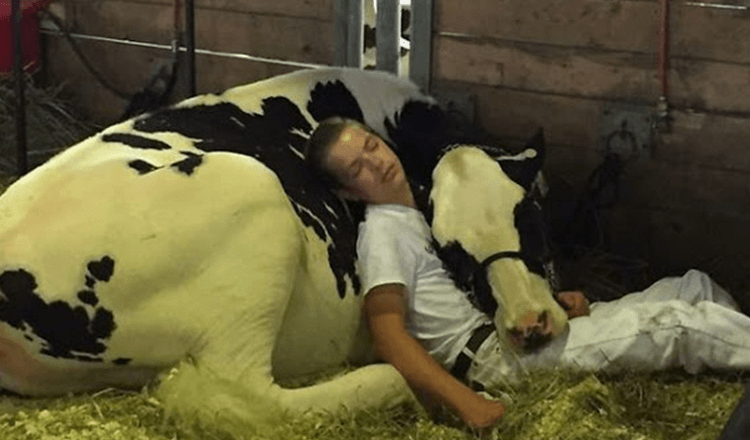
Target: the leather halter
pixel 549 273
pixel 499 255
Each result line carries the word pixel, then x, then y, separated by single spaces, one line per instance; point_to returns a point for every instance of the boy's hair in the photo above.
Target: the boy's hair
pixel 317 147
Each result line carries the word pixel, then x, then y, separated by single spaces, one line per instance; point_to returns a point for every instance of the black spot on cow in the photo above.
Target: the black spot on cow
pixel 142 166
pixel 102 269
pixel 468 275
pixel 136 141
pixel 532 232
pixel 90 281
pixel 333 99
pixel 423 132
pixel 369 37
pixel 88 297
pixel 417 133
pixel 84 358
pixel 121 361
pixel 66 330
pixel 103 323
pixel 422 199
pixel 276 137
pixel 188 165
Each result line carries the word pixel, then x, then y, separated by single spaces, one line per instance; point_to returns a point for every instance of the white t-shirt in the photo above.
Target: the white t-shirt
pixel 394 247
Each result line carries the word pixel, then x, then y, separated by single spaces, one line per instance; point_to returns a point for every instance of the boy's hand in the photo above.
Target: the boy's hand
pixel 574 303
pixel 482 414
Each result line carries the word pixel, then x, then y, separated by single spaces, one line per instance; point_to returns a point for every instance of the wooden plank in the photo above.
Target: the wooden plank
pixel 274 37
pixel 714 141
pixel 128 67
pixel 218 74
pixel 591 73
pixel 118 19
pixel 516 114
pixel 710 140
pixel 722 35
pixel 660 185
pixel 318 9
pixel 286 38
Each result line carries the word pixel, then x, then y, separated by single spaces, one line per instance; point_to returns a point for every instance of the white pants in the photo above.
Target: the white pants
pixel 688 322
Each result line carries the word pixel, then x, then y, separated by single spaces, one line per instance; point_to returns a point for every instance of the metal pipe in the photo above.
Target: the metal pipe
pixel 662 107
pixel 235 55
pixel 718 6
pixel 388 36
pixel 355 34
pixel 190 43
pixel 340 29
pixel 420 63
pixel 663 52
pixel 15 19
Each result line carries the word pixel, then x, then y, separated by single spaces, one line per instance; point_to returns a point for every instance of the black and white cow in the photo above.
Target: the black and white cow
pixel 194 237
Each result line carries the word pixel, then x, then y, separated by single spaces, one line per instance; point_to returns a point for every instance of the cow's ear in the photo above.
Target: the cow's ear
pixel 537 144
pixel 525 167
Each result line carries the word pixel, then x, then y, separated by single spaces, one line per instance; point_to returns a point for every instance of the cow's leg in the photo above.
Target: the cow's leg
pixel 371 386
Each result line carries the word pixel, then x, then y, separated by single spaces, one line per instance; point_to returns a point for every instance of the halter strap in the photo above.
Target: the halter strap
pixel 549 272
pixel 496 256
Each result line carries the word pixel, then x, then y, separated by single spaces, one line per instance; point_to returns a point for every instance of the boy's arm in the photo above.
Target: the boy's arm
pixel 384 314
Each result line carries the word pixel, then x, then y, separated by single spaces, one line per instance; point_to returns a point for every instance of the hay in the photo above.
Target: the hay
pixel 546 405
pixel 659 406
pixel 52 125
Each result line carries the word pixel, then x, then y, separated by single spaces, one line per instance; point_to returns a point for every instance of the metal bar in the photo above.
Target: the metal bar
pixel 235 55
pixel 718 6
pixel 21 147
pixel 663 49
pixel 340 32
pixel 190 43
pixel 355 35
pixel 388 36
pixel 420 61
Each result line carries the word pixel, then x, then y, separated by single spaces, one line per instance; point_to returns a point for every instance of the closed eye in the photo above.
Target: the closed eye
pixel 371 144
pixel 357 167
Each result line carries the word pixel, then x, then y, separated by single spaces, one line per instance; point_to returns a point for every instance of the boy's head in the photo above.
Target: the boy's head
pixel 352 159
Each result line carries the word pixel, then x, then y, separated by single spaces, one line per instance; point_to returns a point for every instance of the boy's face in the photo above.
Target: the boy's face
pixel 367 168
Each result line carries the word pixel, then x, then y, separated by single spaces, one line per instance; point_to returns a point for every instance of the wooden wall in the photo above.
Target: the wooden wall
pixel 292 30
pixel 554 63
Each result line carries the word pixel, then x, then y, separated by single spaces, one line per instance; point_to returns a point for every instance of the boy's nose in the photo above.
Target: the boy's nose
pixel 376 163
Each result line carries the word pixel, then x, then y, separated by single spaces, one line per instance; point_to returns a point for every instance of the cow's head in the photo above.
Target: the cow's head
pixel 488 229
